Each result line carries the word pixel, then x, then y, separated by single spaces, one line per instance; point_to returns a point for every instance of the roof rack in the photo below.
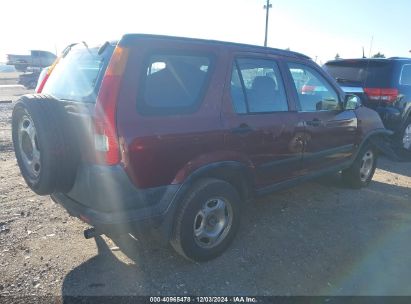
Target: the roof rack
pixel 127 37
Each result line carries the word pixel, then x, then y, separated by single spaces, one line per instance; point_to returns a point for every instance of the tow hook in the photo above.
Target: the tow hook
pixel 91 233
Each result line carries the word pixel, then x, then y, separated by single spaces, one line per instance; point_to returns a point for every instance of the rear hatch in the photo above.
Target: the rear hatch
pixel 370 79
pixel 75 81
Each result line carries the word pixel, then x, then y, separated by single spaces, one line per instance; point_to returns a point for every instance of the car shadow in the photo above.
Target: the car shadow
pixel 314 239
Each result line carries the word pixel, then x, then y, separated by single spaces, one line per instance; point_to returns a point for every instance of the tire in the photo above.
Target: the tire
pixel 404 139
pixel 43 144
pixel 212 206
pixel 362 170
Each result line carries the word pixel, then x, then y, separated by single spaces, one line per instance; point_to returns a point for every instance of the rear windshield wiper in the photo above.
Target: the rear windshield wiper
pixel 67 49
pixel 70 46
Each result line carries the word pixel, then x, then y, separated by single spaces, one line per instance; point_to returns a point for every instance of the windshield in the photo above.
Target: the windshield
pixel 367 72
pixel 78 75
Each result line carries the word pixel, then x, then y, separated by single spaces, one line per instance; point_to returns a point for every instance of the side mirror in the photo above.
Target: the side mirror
pixel 351 102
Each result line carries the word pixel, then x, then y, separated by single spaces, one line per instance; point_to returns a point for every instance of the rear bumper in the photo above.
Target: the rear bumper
pixel 105 198
pixel 112 222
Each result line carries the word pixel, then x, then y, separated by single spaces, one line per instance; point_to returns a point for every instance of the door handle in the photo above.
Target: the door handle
pixel 314 123
pixel 242 129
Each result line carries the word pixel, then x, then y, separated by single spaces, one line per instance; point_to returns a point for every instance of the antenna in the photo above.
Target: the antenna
pixel 267 8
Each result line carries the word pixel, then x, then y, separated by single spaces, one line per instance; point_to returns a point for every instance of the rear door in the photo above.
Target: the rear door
pixel 330 133
pixel 260 119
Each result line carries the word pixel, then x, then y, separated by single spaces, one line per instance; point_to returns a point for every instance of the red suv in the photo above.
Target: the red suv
pixel 176 134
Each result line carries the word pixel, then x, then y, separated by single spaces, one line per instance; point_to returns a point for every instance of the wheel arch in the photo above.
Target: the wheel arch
pixel 379 138
pixel 233 172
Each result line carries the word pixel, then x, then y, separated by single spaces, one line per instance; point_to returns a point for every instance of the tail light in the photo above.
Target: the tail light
pixel 105 130
pixel 379 94
pixel 307 89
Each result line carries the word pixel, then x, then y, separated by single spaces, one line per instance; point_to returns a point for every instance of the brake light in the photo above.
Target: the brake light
pixel 381 94
pixel 105 130
pixel 307 89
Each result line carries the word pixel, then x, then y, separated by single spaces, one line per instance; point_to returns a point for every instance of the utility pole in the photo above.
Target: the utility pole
pixel 267 8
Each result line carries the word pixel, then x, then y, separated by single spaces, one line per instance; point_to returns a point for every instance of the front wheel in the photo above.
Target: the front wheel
pixel 207 220
pixel 362 169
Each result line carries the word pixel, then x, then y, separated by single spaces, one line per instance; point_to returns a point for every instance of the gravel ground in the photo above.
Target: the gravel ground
pixel 318 238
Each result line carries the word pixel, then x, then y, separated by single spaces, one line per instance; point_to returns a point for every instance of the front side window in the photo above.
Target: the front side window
pixel 314 92
pixel 173 84
pixel 257 87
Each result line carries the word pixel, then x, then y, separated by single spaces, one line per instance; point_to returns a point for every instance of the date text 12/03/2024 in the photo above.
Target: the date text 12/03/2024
pixel 199 299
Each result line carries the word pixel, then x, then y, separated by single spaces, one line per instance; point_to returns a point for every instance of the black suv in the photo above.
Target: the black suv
pixel 384 84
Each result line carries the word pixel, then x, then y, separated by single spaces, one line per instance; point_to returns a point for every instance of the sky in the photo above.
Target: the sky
pixel 317 28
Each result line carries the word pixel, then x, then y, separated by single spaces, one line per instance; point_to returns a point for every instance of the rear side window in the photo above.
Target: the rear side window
pixel 368 73
pixel 405 77
pixel 78 75
pixel 257 87
pixel 173 84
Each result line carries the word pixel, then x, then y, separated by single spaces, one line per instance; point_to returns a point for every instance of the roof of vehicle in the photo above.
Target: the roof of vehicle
pixel 40 51
pixel 129 37
pixel 369 59
pixel 27 54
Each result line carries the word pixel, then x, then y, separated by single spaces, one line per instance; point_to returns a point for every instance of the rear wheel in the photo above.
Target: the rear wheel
pixel 207 220
pixel 362 170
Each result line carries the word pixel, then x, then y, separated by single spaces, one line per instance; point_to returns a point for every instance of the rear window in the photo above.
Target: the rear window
pixel 173 84
pixel 78 75
pixel 365 72
pixel 405 78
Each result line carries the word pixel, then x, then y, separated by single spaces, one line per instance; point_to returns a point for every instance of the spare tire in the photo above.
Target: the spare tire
pixel 44 144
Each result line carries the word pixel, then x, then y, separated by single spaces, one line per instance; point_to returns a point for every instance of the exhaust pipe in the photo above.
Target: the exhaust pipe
pixel 91 233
